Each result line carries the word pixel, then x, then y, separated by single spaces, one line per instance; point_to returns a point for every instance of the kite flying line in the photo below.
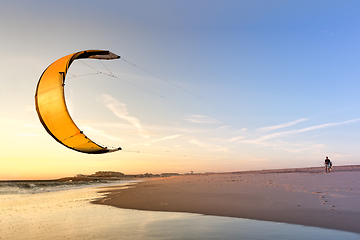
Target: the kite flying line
pixel 187 91
pixel 110 74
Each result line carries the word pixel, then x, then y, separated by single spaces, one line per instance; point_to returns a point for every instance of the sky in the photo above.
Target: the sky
pixel 202 86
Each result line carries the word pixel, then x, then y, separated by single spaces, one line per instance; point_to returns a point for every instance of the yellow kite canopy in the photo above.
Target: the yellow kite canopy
pixel 51 106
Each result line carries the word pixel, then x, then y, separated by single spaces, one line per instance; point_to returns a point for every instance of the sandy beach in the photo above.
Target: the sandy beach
pixel 191 207
pixel 306 196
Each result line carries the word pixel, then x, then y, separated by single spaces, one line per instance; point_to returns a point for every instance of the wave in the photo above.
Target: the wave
pixel 33 187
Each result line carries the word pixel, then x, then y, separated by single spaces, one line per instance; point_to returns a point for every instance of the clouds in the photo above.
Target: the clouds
pixel 121 111
pixel 160 133
pixel 227 138
pixel 209 135
pixel 236 138
pixel 312 128
pixel 209 146
pixel 101 133
pixel 149 143
pixel 202 119
pixel 287 140
pixel 283 125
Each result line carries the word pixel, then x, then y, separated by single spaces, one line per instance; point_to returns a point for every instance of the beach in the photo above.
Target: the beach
pixel 274 204
pixel 306 196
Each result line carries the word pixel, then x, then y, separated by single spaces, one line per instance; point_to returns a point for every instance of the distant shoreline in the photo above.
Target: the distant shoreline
pixel 264 171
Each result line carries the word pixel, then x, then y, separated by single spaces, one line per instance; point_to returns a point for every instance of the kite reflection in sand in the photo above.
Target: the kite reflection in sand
pixel 51 106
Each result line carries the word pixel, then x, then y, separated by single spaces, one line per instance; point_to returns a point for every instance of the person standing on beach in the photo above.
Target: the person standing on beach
pixel 327 164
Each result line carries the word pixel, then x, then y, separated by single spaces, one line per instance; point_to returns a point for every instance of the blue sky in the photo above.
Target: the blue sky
pixel 217 86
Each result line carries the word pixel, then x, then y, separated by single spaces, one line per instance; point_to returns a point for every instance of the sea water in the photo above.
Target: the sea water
pixel 69 214
pixel 33 187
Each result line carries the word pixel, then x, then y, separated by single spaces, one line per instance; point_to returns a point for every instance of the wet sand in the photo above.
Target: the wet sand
pixel 306 196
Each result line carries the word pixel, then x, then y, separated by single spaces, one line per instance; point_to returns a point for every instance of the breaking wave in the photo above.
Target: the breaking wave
pixel 33 187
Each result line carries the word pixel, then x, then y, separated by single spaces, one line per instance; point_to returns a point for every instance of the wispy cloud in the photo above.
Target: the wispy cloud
pixel 327 125
pixel 210 147
pixel 101 133
pixel 148 143
pixel 283 125
pixel 120 110
pixel 286 133
pixel 202 119
pixel 236 138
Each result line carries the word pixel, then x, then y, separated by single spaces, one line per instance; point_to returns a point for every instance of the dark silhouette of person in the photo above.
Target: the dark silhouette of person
pixel 327 164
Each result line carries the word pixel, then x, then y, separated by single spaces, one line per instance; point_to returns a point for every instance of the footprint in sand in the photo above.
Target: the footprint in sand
pixel 324 201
